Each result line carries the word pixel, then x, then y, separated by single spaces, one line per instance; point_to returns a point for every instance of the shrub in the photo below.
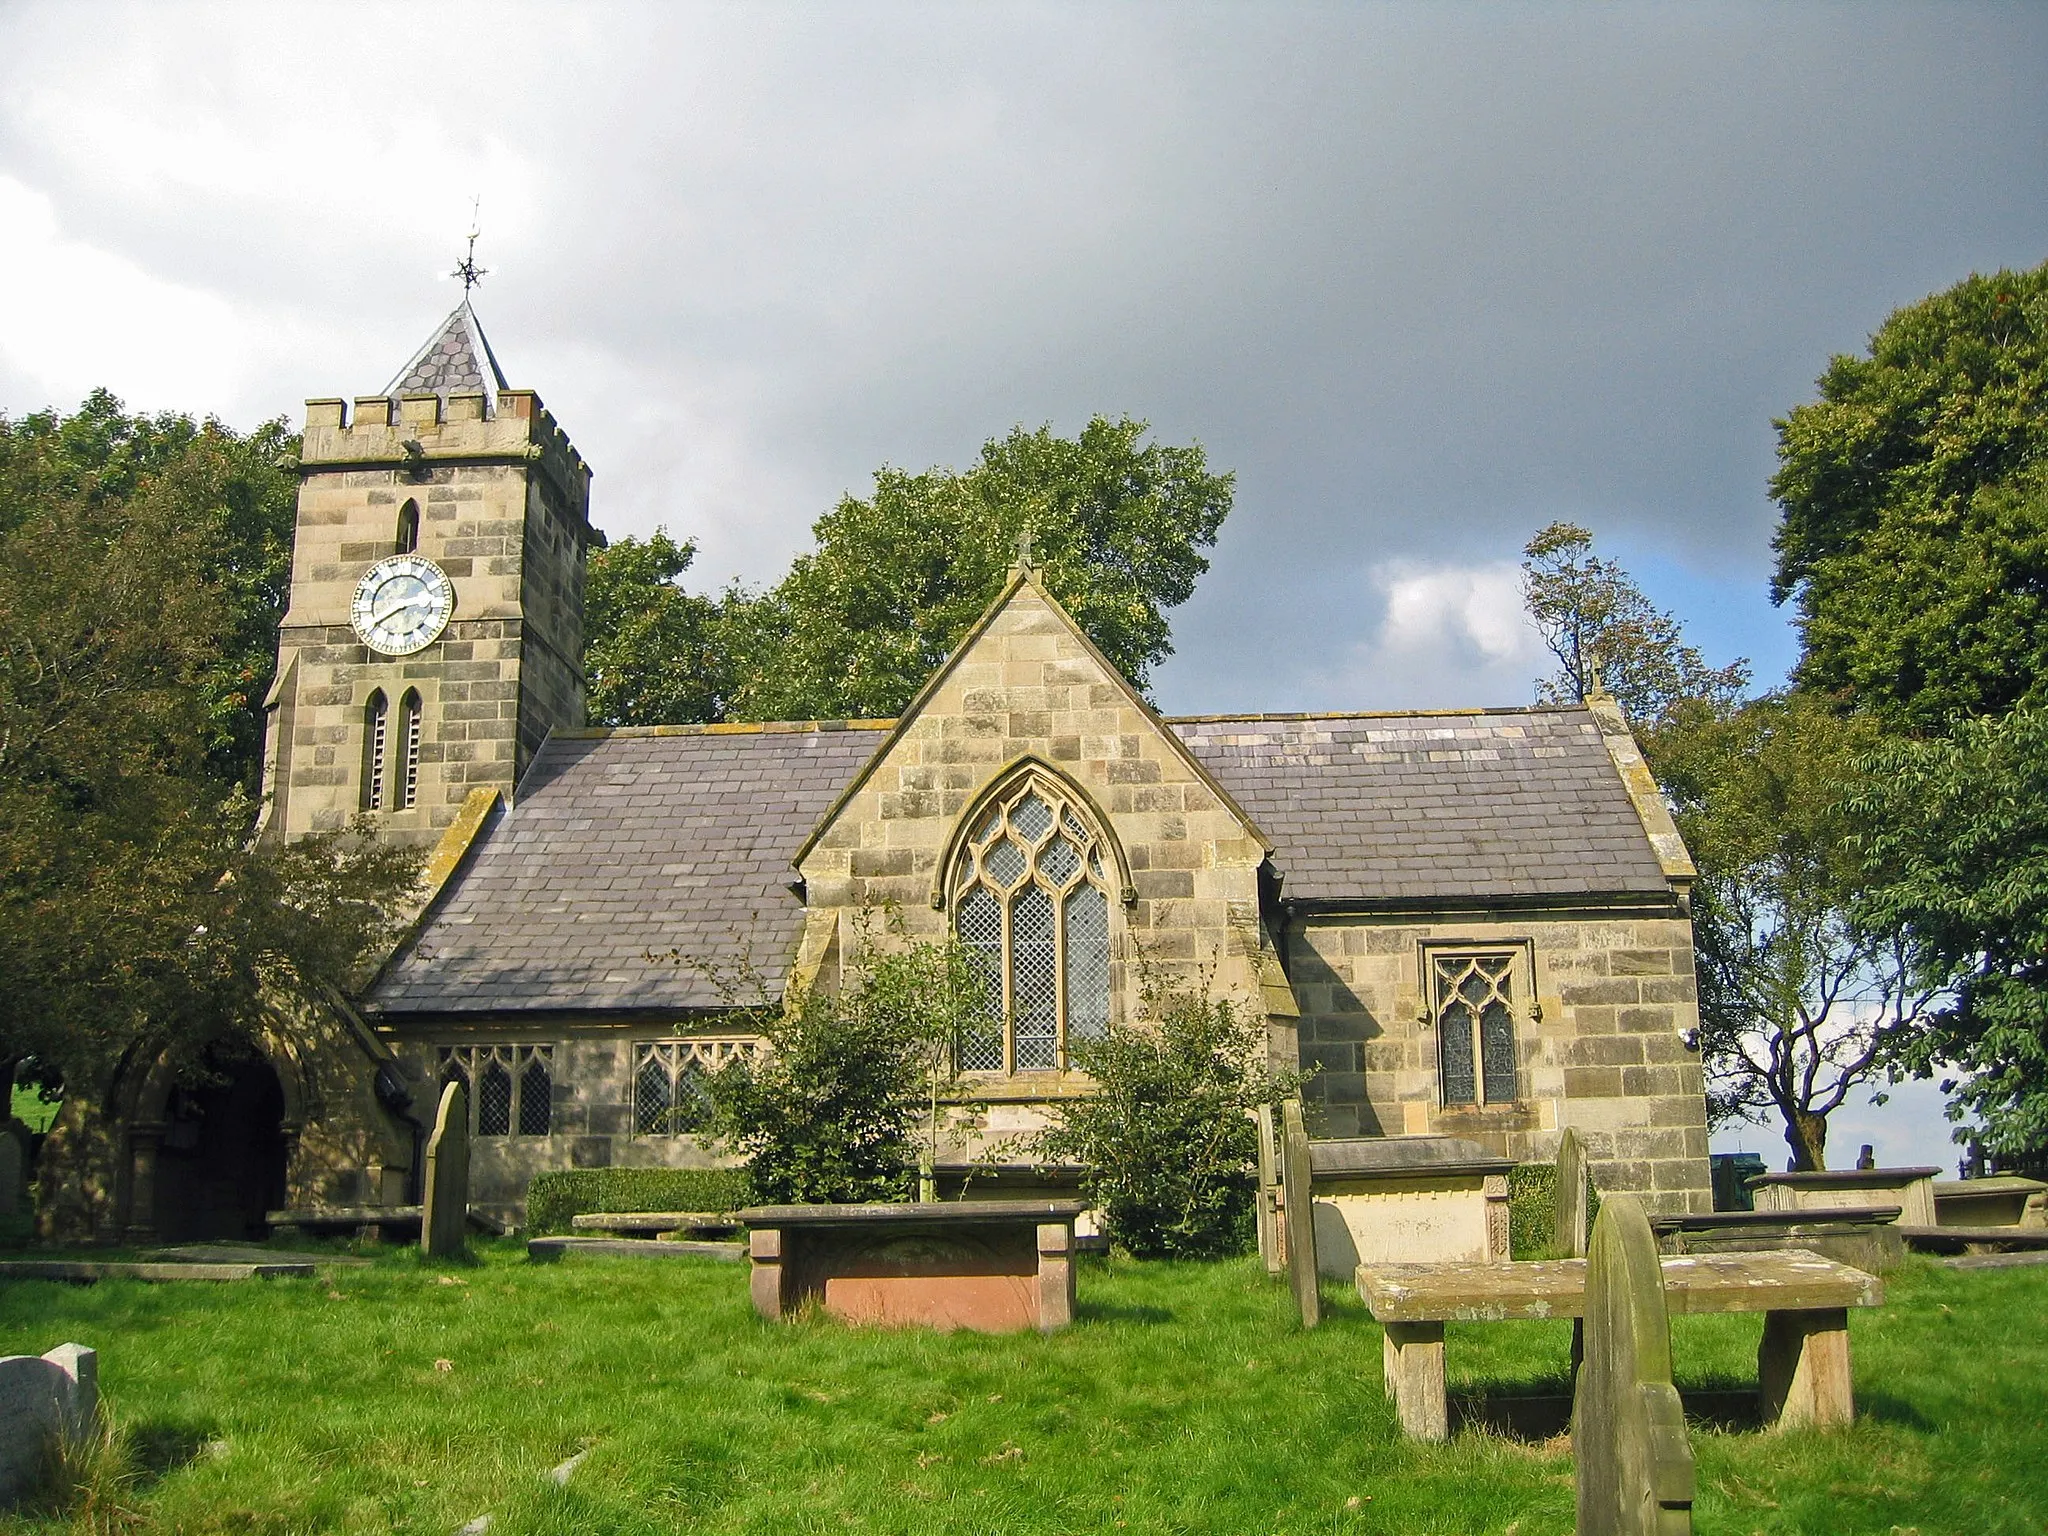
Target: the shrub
pixel 1532 1210
pixel 562 1193
pixel 828 1113
pixel 1168 1144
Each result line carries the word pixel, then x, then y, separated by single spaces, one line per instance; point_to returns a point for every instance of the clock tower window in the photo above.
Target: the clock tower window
pixel 376 724
pixel 408 528
pixel 409 777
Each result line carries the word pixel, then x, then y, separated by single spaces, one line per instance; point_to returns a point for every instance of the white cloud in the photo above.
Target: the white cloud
pixel 1450 635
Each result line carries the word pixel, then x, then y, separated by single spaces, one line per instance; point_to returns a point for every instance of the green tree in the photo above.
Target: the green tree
pixel 1168 1144
pixel 654 653
pixel 1116 525
pixel 1802 1001
pixel 830 1112
pixel 1914 492
pixel 235 499
pixel 132 904
pixel 1955 839
pixel 1603 630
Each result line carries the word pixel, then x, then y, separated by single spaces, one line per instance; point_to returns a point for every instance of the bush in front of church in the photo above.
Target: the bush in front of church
pixel 830 1111
pixel 1168 1144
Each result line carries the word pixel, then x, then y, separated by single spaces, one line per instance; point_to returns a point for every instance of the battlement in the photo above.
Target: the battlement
pixel 406 431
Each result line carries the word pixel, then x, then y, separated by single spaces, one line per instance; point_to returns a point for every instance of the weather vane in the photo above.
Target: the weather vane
pixel 467 269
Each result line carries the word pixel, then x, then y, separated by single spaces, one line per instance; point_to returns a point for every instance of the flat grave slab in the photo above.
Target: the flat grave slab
pixel 250 1253
pixel 87 1271
pixel 1802 1363
pixel 993 1266
pixel 632 1248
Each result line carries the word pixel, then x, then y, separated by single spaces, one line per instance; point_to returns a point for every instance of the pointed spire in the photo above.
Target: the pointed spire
pixel 456 360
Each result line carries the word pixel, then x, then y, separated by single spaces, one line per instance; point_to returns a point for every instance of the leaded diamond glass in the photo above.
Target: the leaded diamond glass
pixel 1031 817
pixel 988 828
pixel 1454 1053
pixel 1059 861
pixel 1005 862
pixel 494 1102
pixel 981 931
pixel 536 1097
pixel 1087 963
pixel 1497 1051
pixel 1073 823
pixel 653 1097
pixel 1035 985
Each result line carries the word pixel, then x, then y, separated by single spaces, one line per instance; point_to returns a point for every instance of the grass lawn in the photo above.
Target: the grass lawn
pixel 1185 1399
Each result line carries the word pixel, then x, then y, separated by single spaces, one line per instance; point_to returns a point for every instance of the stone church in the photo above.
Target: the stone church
pixel 1468 922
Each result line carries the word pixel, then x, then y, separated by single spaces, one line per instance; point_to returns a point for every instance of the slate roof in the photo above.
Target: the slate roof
pixel 457 359
pixel 625 847
pixel 1399 808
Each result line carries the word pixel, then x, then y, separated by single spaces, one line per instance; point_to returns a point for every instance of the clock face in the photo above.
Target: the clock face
pixel 402 604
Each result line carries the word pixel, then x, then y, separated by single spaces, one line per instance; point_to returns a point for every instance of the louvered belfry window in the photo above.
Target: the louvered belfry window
pixel 1475 1027
pixel 1031 904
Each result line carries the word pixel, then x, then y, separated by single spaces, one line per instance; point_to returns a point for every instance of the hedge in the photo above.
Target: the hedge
pixel 1532 1209
pixel 559 1194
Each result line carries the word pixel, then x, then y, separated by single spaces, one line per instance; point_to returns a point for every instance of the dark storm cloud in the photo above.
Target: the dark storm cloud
pixel 1424 278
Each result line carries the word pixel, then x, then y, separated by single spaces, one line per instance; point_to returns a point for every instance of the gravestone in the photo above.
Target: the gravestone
pixel 1300 1213
pixel 1634 1463
pixel 43 1397
pixel 445 1217
pixel 1569 1236
pixel 1269 1210
pixel 12 1187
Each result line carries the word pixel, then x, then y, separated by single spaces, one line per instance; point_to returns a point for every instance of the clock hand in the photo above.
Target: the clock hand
pixel 380 615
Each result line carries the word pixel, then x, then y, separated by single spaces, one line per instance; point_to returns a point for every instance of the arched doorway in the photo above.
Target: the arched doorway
pixel 221 1164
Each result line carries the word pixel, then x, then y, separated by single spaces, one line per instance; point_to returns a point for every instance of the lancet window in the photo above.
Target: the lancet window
pixel 376 739
pixel 1474 1009
pixel 1031 904
pixel 668 1082
pixel 408 778
pixel 511 1087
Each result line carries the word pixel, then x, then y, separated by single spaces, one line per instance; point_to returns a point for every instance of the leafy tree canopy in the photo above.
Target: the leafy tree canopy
pixel 1801 1003
pixel 1168 1144
pixel 1117 526
pixel 1956 842
pixel 1603 630
pixel 654 653
pixel 133 555
pixel 233 498
pixel 1915 508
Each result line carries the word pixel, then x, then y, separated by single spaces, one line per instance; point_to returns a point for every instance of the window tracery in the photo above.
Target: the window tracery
pixel 1474 1011
pixel 1031 904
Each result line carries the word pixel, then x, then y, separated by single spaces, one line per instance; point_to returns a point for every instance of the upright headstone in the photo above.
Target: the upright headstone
pixel 42 1398
pixel 445 1217
pixel 1569 1237
pixel 1300 1213
pixel 1866 1159
pixel 12 1186
pixel 1634 1463
pixel 1269 1205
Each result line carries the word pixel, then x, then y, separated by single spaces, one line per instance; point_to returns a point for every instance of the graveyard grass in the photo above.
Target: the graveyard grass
pixel 1184 1400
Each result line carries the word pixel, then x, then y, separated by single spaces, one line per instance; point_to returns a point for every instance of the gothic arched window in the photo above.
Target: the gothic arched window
pixel 1031 903
pixel 409 764
pixel 376 730
pixel 408 528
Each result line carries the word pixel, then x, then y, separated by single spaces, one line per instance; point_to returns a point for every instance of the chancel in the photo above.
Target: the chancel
pixel 1470 923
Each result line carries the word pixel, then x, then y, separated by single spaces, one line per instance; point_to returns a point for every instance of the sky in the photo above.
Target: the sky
pixel 1425 278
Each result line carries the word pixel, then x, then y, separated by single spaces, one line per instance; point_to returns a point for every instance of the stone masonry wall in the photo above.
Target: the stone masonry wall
pixel 503 510
pixel 1029 684
pixel 591 1119
pixel 1607 1055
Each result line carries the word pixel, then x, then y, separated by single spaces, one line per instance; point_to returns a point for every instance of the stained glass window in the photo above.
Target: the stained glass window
pixel 1475 1027
pixel 511 1087
pixel 668 1093
pixel 1030 904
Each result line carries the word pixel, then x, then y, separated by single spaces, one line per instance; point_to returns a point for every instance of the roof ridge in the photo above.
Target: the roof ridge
pixel 718 728
pixel 1382 714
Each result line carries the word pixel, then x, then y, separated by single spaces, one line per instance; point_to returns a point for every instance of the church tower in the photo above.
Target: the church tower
pixel 435 629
